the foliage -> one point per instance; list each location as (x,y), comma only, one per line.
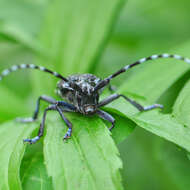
(70,37)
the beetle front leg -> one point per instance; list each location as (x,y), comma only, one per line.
(67,122)
(42,125)
(58,106)
(106,116)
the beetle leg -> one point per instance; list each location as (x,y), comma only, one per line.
(68,123)
(36,112)
(106,116)
(113,97)
(42,125)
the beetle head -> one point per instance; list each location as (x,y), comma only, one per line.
(87,103)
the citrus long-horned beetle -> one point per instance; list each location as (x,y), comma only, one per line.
(81,93)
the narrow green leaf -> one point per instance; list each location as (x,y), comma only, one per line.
(33,170)
(74,34)
(123,125)
(75,30)
(188,156)
(157,76)
(9,98)
(181,109)
(12,150)
(15,35)
(89,160)
(175,164)
(164,125)
(26,15)
(169,97)
(12,54)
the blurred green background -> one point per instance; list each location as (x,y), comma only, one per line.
(142,29)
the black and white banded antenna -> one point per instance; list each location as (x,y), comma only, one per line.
(106,81)
(30,66)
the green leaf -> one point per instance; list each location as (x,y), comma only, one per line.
(174,163)
(12,150)
(14,34)
(26,15)
(181,109)
(6,111)
(33,169)
(188,156)
(157,76)
(169,97)
(123,125)
(164,125)
(76,30)
(89,160)
(151,84)
(74,34)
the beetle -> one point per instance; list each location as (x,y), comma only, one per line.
(80,93)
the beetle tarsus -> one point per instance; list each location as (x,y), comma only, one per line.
(147,108)
(25,120)
(31,141)
(68,134)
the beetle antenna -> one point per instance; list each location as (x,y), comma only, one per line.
(106,81)
(30,66)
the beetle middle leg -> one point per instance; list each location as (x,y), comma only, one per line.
(60,106)
(113,97)
(36,112)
